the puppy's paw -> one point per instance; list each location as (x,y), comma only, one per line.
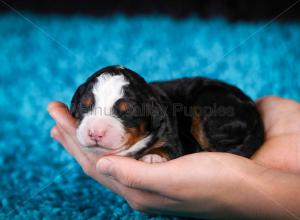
(153,158)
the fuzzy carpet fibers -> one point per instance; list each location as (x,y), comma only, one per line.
(45,58)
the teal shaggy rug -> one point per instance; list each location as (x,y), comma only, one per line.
(44,58)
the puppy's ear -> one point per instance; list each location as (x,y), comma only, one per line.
(75,103)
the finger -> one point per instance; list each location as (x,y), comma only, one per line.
(137,174)
(55,104)
(66,124)
(63,139)
(82,159)
(106,181)
(142,200)
(275,103)
(61,114)
(74,149)
(57,134)
(70,145)
(86,161)
(77,149)
(268,99)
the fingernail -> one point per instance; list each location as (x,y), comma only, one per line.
(104,166)
(49,112)
(49,107)
(53,135)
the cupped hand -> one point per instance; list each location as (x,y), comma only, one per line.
(281,119)
(196,185)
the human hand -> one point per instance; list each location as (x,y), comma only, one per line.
(281,119)
(193,185)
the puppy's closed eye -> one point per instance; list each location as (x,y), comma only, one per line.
(122,105)
(87,101)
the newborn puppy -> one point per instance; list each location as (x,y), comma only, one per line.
(119,113)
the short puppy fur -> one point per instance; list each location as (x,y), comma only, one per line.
(119,113)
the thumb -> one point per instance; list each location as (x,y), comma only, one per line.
(135,174)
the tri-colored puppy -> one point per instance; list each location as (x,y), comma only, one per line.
(119,113)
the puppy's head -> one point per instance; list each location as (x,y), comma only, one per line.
(116,110)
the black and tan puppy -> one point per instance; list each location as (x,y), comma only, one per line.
(119,113)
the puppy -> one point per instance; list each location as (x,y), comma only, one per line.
(119,113)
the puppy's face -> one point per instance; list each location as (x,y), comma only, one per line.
(112,108)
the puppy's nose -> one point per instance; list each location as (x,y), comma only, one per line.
(96,135)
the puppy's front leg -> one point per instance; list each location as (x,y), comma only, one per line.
(156,155)
(153,158)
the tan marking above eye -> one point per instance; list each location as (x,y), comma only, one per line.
(123,106)
(87,101)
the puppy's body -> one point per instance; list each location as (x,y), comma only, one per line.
(166,119)
(214,116)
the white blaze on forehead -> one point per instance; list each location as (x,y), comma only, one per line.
(107,90)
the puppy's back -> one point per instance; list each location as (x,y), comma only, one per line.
(215,116)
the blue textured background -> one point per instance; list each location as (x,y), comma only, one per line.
(38,179)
